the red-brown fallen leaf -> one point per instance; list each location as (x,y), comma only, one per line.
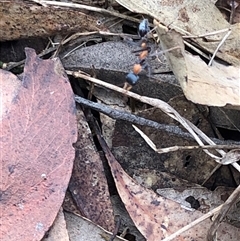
(37,155)
(157,217)
(88,184)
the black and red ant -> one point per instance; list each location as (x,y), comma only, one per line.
(132,77)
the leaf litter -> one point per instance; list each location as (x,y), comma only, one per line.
(126,186)
(88,184)
(157,217)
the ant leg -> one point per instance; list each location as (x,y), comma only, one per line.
(127,86)
(147,49)
(149,72)
(147,68)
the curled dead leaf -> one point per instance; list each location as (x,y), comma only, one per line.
(216,85)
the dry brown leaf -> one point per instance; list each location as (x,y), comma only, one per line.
(37,133)
(215,85)
(88,183)
(157,217)
(208,200)
(21,19)
(83,229)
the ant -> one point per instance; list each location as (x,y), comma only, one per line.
(132,77)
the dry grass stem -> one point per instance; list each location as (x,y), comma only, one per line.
(219,46)
(85,7)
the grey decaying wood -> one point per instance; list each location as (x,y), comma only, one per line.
(121,115)
(24,20)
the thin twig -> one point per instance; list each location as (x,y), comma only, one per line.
(228,158)
(101,33)
(214,147)
(121,115)
(207,34)
(73,50)
(219,46)
(197,50)
(85,7)
(134,119)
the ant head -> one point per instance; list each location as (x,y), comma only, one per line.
(143,28)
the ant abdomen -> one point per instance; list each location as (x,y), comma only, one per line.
(132,78)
